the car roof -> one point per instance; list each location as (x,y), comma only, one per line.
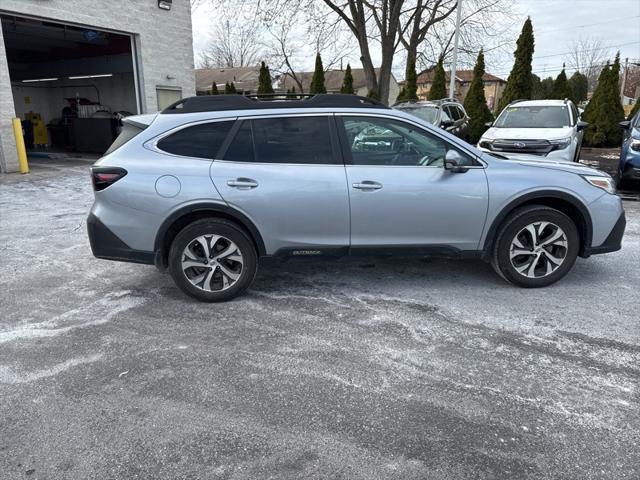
(539,103)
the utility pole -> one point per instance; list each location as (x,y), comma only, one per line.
(452,82)
(624,80)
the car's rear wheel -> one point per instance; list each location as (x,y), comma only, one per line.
(212,260)
(535,247)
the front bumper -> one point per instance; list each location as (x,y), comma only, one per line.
(631,173)
(613,242)
(106,245)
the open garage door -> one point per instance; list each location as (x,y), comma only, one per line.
(71,85)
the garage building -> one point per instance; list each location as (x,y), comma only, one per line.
(70,69)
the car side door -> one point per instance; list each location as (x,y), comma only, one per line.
(400,193)
(285,173)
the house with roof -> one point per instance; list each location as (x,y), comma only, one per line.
(333,82)
(493,86)
(245,79)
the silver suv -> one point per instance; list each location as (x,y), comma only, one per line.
(211,184)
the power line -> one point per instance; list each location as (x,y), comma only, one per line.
(586,25)
(588,50)
(559,67)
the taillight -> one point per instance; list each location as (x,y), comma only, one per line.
(102,177)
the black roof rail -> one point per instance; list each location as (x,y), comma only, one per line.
(212,103)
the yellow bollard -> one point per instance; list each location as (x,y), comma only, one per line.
(22,151)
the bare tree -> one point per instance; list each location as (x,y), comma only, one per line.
(588,56)
(373,19)
(484,24)
(419,19)
(235,42)
(287,43)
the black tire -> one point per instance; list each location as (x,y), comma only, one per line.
(513,225)
(621,183)
(223,228)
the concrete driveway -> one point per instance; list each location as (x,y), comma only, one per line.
(351,369)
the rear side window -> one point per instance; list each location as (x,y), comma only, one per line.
(128,132)
(301,140)
(200,141)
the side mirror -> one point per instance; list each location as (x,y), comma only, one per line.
(454,162)
(446,123)
(625,125)
(488,124)
(581,125)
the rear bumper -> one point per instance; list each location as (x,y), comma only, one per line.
(106,245)
(613,242)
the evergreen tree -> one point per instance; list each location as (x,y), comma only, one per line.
(214,89)
(402,95)
(439,84)
(635,109)
(561,87)
(604,111)
(476,103)
(579,84)
(536,87)
(409,91)
(317,81)
(227,88)
(519,83)
(347,83)
(615,110)
(373,93)
(541,88)
(264,80)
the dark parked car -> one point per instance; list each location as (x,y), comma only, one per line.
(629,168)
(446,114)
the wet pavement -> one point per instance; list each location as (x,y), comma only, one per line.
(375,368)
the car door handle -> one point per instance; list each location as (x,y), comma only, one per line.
(367,185)
(242,183)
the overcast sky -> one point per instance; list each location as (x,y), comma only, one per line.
(556,24)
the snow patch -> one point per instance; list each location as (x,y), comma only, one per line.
(8,375)
(96,313)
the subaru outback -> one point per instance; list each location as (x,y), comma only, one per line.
(211,184)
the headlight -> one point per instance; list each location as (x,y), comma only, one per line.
(635,145)
(605,183)
(561,143)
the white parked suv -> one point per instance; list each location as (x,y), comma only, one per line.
(547,129)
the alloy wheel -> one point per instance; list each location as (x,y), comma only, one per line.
(212,263)
(539,249)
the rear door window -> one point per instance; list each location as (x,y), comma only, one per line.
(200,141)
(298,140)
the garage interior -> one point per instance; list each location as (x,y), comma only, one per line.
(71,85)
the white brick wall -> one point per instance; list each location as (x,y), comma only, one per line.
(163,40)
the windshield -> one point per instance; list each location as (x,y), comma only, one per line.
(534,117)
(428,113)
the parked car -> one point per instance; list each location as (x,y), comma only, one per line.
(212,183)
(447,114)
(629,167)
(549,129)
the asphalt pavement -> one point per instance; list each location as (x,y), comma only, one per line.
(392,368)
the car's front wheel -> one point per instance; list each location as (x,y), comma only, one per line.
(536,246)
(212,260)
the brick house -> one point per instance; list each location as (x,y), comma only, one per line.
(493,86)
